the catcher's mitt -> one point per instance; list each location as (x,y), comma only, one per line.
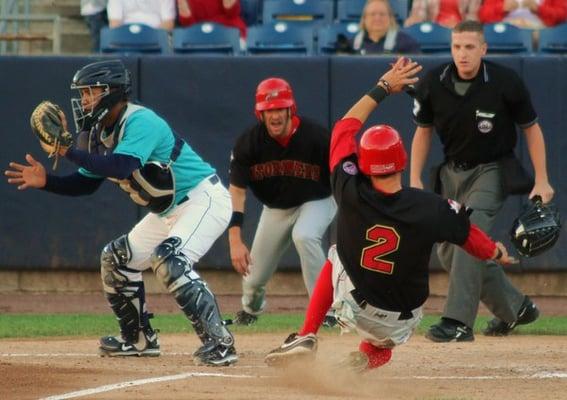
(536,229)
(49,125)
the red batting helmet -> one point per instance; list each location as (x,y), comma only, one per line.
(381,151)
(274,93)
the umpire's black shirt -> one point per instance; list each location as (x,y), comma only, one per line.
(477,127)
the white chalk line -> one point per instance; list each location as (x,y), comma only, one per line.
(63,355)
(139,382)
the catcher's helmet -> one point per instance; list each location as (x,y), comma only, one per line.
(110,75)
(381,151)
(536,229)
(274,93)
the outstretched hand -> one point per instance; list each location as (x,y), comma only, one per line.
(401,74)
(505,259)
(27,176)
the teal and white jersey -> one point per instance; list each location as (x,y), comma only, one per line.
(149,138)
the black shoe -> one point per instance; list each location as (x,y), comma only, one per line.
(116,346)
(528,313)
(450,331)
(216,356)
(295,347)
(243,318)
(330,321)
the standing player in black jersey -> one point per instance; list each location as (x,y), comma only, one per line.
(376,278)
(284,160)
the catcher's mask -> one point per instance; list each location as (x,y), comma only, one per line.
(536,229)
(381,151)
(114,80)
(273,94)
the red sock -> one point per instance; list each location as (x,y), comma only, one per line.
(377,356)
(320,301)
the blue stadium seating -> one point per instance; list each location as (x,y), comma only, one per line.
(432,38)
(250,11)
(351,10)
(134,39)
(327,35)
(505,38)
(553,40)
(206,38)
(280,37)
(320,11)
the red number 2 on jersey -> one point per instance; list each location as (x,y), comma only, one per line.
(386,241)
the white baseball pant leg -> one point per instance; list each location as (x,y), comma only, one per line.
(382,328)
(198,221)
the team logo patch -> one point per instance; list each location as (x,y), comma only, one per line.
(455,206)
(272,95)
(350,168)
(485,126)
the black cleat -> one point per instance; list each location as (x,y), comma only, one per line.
(293,348)
(243,318)
(215,356)
(449,331)
(528,313)
(116,346)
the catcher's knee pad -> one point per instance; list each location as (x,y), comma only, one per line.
(113,260)
(191,293)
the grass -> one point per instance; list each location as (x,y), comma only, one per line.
(83,325)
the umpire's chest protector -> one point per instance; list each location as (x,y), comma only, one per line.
(152,186)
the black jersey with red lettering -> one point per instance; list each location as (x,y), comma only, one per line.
(384,241)
(283,176)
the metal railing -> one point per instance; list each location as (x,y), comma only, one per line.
(16,35)
(15,19)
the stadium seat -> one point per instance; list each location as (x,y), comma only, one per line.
(206,38)
(505,38)
(553,40)
(134,38)
(432,38)
(351,10)
(319,11)
(328,35)
(280,37)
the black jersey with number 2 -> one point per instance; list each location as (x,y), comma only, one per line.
(384,241)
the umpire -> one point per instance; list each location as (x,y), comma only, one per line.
(474,106)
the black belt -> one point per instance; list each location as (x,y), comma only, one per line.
(362,303)
(463,165)
(213,181)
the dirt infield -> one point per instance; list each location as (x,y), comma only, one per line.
(517,367)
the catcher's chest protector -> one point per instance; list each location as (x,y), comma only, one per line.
(153,185)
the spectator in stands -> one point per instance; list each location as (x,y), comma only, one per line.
(531,14)
(447,13)
(379,31)
(94,13)
(154,13)
(224,12)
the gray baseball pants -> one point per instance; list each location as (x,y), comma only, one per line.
(473,280)
(304,226)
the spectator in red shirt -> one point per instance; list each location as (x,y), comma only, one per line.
(443,12)
(224,12)
(532,14)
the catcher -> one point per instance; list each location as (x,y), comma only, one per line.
(189,207)
(376,278)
